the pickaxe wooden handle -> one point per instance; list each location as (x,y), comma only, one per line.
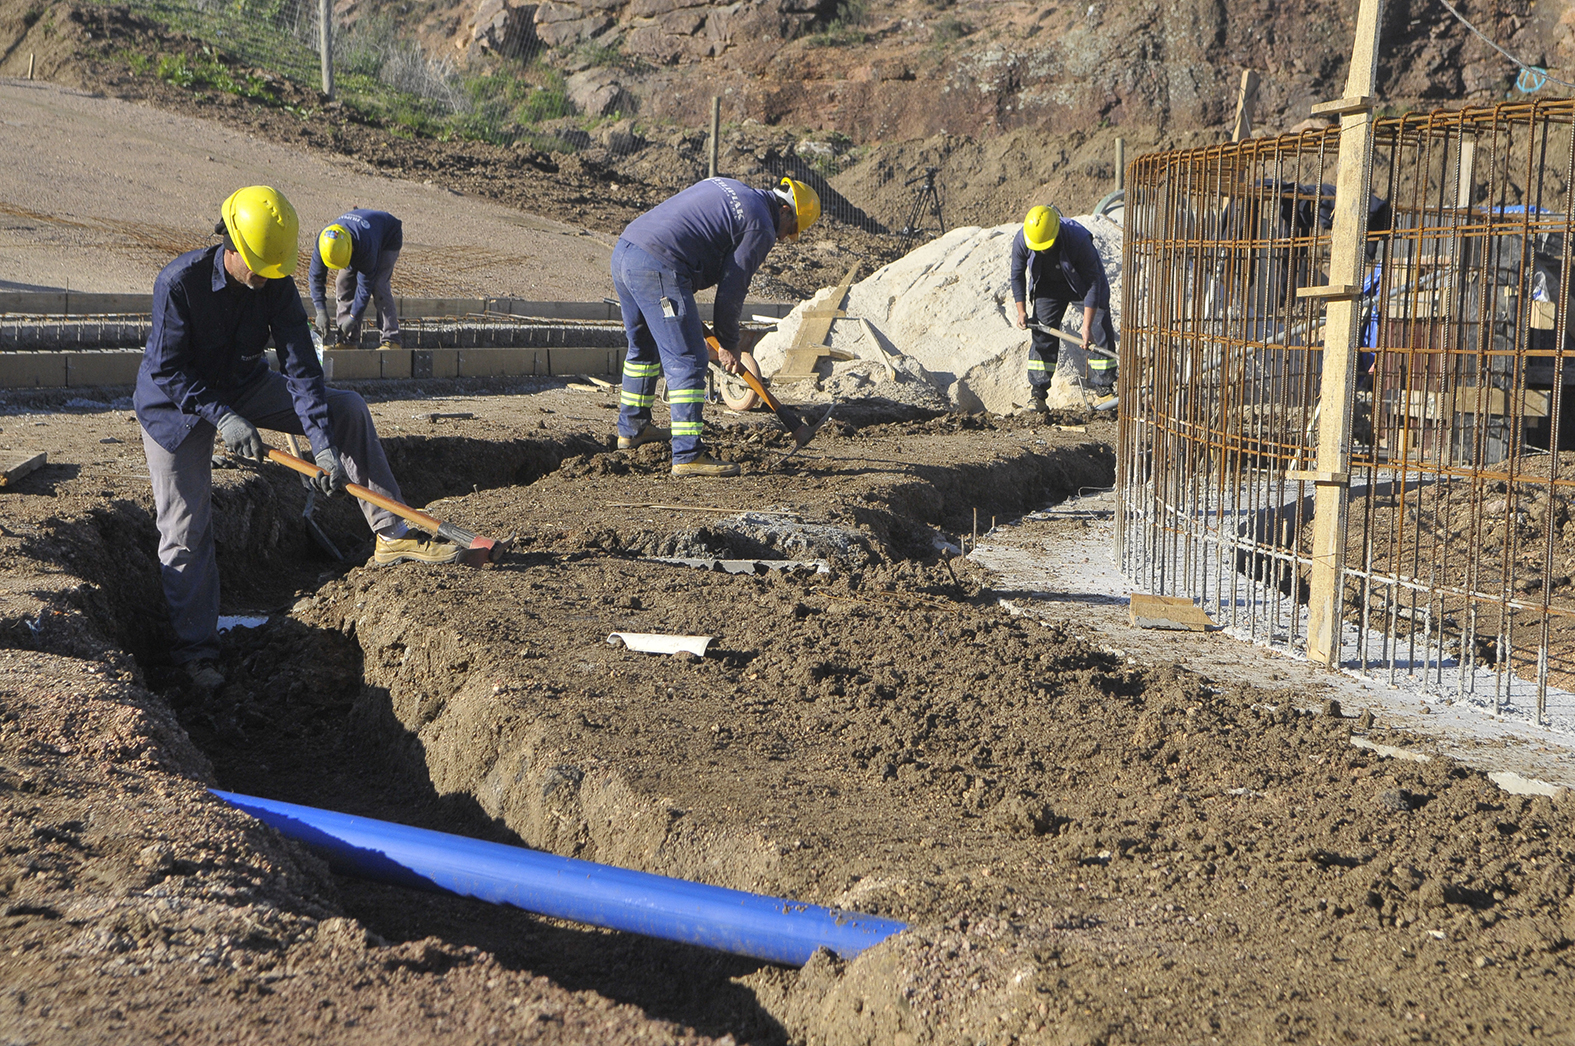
(481,550)
(1072,339)
(790,418)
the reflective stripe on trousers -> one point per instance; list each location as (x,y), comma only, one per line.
(665,337)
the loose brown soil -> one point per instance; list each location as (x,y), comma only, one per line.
(1087,847)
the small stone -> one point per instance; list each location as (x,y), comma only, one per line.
(1331,708)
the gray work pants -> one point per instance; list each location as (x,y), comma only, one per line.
(382,299)
(182,485)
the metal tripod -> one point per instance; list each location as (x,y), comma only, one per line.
(926,201)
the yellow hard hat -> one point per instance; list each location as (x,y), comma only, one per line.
(806,203)
(263,227)
(335,245)
(1040,228)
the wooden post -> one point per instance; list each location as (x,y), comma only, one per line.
(1121,164)
(1465,172)
(1348,235)
(716,129)
(1246,100)
(325,43)
(30,56)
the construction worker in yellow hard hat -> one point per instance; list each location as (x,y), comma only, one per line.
(361,247)
(713,234)
(205,371)
(1054,264)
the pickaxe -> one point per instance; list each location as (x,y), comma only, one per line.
(801,430)
(477,550)
(1072,339)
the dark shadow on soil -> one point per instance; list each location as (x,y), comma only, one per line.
(676,982)
(297,724)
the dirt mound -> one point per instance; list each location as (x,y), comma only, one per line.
(940,315)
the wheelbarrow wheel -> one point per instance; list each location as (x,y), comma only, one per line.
(737,395)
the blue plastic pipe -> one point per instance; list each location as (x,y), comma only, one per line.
(752,924)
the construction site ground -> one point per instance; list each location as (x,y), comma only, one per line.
(1095,834)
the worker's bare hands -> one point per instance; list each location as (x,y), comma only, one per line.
(1022,318)
(729,360)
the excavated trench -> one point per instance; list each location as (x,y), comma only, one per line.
(442,697)
(1085,849)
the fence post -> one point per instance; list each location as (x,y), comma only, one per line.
(1348,238)
(716,128)
(325,42)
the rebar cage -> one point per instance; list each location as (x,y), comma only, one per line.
(1459,547)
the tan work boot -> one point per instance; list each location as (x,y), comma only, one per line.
(416,548)
(705,465)
(648,434)
(388,346)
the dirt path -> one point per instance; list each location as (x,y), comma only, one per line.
(99,194)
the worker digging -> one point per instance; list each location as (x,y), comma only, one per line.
(361,247)
(1054,264)
(713,234)
(204,370)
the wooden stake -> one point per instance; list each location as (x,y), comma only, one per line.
(1246,101)
(1121,164)
(30,65)
(325,43)
(716,127)
(1348,234)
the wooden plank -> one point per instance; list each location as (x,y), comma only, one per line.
(812,332)
(18,469)
(1347,262)
(1345,106)
(1173,613)
(1246,101)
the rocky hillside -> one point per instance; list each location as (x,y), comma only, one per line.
(883,70)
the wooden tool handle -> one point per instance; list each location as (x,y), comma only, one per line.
(405,512)
(743,372)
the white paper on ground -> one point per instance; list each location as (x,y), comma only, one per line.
(656,643)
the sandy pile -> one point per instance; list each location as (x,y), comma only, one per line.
(938,322)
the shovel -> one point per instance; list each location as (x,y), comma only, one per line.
(477,551)
(323,540)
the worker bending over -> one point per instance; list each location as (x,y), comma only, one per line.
(713,234)
(204,370)
(362,247)
(1054,264)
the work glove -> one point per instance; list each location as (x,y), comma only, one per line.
(331,481)
(241,438)
(323,326)
(347,334)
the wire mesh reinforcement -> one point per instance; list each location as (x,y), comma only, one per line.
(1459,543)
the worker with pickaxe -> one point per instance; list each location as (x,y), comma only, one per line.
(204,370)
(1054,263)
(713,234)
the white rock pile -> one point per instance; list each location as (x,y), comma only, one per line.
(942,316)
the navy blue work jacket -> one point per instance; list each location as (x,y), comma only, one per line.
(715,233)
(207,345)
(371,233)
(1074,254)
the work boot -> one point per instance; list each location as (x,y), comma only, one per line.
(1037,405)
(416,548)
(204,675)
(705,465)
(388,345)
(648,434)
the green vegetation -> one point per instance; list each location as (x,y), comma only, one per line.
(204,70)
(950,28)
(844,29)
